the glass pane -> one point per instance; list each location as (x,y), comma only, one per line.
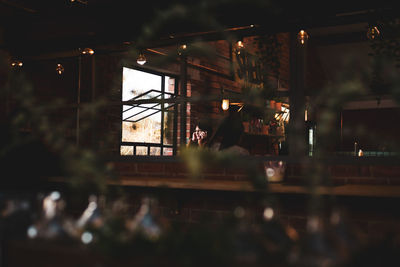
(167,151)
(155,151)
(126,150)
(169,86)
(144,121)
(137,113)
(141,150)
(147,130)
(169,127)
(136,83)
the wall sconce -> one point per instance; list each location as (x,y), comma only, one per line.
(141,59)
(302,36)
(373,32)
(87,51)
(60,69)
(225,104)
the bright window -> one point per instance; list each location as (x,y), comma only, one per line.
(147,128)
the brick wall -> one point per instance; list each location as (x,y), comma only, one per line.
(339,174)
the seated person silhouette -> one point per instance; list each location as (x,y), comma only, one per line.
(228,135)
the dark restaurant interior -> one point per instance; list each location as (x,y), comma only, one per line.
(193,133)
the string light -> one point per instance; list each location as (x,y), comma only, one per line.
(16,63)
(182,47)
(141,59)
(373,32)
(302,36)
(87,51)
(79,1)
(60,69)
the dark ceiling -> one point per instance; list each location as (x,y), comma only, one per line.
(42,26)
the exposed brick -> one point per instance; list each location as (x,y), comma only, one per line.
(366,181)
(212,170)
(364,171)
(344,171)
(176,168)
(385,171)
(124,166)
(150,167)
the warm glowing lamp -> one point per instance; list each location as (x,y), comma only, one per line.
(87,51)
(302,36)
(16,63)
(60,69)
(141,59)
(225,104)
(239,46)
(373,32)
(182,48)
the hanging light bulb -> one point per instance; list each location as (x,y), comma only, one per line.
(141,59)
(182,48)
(373,32)
(302,36)
(239,46)
(60,69)
(79,1)
(87,51)
(16,63)
(225,104)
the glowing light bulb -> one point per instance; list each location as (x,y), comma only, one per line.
(16,63)
(268,213)
(225,104)
(302,36)
(240,44)
(60,69)
(87,51)
(181,49)
(141,59)
(373,32)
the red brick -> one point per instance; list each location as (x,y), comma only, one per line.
(385,171)
(219,177)
(366,181)
(365,171)
(176,168)
(150,167)
(212,170)
(344,171)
